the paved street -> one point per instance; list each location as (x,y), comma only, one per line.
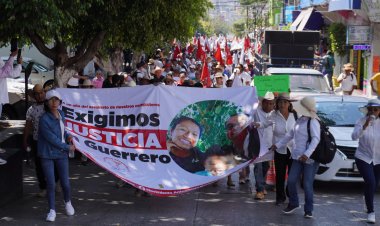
(99,202)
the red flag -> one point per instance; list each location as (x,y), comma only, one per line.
(229,56)
(205,76)
(177,51)
(200,53)
(190,48)
(218,54)
(247,43)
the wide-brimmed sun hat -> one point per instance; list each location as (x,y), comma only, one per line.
(306,107)
(371,103)
(268,96)
(284,96)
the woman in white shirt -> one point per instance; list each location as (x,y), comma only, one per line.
(284,119)
(302,150)
(367,155)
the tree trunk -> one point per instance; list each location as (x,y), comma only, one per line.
(62,75)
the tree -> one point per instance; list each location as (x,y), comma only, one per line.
(92,24)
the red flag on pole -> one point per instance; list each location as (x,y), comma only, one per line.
(205,76)
(177,51)
(200,53)
(247,43)
(218,54)
(229,56)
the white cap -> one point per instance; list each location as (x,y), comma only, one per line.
(73,82)
(53,93)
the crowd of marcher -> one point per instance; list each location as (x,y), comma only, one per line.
(281,122)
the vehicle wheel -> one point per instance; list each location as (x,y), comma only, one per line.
(49,84)
(8,113)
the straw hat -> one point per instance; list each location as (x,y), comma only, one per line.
(348,66)
(306,107)
(284,96)
(268,96)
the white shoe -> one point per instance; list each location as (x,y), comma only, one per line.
(371,218)
(2,150)
(51,216)
(2,161)
(69,208)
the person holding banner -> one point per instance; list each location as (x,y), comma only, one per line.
(264,122)
(185,133)
(53,151)
(245,140)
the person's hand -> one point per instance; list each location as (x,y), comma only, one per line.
(72,147)
(70,139)
(303,158)
(256,124)
(19,61)
(14,53)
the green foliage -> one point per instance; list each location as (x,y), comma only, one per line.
(212,116)
(136,24)
(239,29)
(337,35)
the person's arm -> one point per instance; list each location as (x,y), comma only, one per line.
(27,131)
(7,69)
(360,126)
(340,78)
(52,138)
(285,140)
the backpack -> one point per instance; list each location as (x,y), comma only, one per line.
(325,151)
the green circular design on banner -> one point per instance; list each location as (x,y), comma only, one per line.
(211,115)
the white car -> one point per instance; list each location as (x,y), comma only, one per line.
(303,81)
(40,74)
(340,113)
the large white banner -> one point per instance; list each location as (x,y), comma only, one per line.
(161,139)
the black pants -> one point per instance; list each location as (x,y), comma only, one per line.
(39,172)
(281,161)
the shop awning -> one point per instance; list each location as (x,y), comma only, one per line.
(301,21)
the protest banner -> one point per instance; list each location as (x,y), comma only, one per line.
(275,83)
(161,139)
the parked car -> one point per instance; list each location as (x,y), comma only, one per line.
(340,113)
(40,74)
(15,109)
(303,81)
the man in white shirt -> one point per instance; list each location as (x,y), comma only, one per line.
(347,80)
(265,129)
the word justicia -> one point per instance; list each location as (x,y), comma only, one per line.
(112,119)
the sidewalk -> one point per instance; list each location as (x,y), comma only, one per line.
(98,201)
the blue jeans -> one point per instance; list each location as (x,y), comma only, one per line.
(371,176)
(260,172)
(308,170)
(62,166)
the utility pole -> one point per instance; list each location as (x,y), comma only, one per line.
(247,19)
(283,12)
